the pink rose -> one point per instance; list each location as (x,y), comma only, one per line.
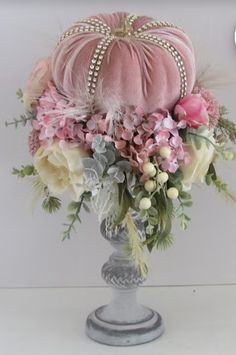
(193,110)
(37,82)
(213,107)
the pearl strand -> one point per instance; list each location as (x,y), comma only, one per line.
(96,63)
(176,56)
(82,29)
(155,24)
(97,23)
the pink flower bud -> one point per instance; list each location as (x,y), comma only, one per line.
(193,110)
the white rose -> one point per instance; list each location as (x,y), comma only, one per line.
(61,169)
(200,160)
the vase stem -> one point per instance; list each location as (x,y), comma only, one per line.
(123,321)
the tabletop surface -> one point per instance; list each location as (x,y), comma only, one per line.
(50,321)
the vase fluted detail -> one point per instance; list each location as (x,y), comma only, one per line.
(120,270)
(123,321)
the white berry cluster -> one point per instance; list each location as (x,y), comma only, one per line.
(156,178)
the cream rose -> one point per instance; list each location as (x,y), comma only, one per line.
(200,160)
(61,169)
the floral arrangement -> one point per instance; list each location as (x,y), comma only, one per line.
(123,159)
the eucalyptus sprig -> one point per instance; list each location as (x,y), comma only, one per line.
(222,187)
(20,95)
(74,209)
(22,121)
(24,118)
(185,200)
(226,127)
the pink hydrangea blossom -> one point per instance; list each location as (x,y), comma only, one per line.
(56,117)
(138,137)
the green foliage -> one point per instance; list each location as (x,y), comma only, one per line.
(158,218)
(164,242)
(24,118)
(211,175)
(175,180)
(223,111)
(51,204)
(74,209)
(25,170)
(39,187)
(125,202)
(159,221)
(138,193)
(221,186)
(183,134)
(22,121)
(185,200)
(20,95)
(226,129)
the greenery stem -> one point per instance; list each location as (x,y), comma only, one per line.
(203,137)
(23,120)
(70,227)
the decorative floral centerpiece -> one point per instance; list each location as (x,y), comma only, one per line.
(118,119)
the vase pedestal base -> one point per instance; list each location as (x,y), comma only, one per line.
(124,321)
(101,328)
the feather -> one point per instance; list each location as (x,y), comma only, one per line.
(134,247)
(211,78)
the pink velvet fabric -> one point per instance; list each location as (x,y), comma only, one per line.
(133,72)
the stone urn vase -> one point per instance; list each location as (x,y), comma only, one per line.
(123,321)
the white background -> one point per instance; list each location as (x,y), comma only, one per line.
(31,251)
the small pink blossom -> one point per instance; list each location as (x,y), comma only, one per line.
(120,145)
(33,142)
(192,109)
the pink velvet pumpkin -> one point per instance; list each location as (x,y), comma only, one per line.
(121,59)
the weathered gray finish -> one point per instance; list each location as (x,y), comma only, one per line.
(123,321)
